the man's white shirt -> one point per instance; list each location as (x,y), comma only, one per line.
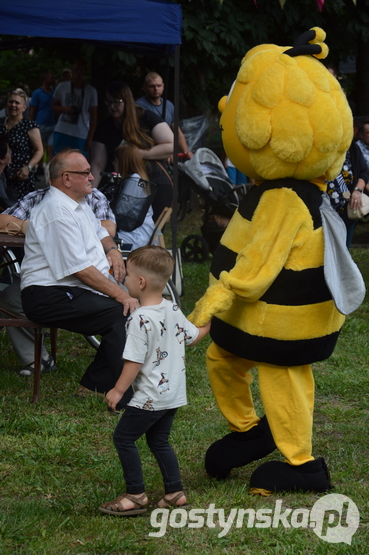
(63,237)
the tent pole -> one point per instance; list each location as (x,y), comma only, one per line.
(175,155)
(166,81)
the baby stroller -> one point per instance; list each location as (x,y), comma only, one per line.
(205,173)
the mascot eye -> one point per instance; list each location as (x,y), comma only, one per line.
(231,90)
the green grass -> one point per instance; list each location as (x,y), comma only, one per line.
(58,463)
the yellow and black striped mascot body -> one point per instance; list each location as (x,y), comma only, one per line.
(273,253)
(268,299)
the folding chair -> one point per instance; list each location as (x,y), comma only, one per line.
(159,224)
(175,285)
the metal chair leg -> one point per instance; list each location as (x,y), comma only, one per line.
(39,341)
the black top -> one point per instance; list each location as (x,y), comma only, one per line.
(108,134)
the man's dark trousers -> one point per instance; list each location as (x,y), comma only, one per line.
(80,310)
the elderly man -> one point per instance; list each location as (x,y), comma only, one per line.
(64,277)
(22,339)
(153,88)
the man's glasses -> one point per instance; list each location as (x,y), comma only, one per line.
(115,102)
(86,173)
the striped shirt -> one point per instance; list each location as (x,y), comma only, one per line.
(98,203)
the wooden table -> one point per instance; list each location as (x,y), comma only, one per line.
(11,241)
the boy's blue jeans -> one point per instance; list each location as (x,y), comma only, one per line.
(133,424)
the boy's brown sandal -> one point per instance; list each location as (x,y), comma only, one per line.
(116,508)
(173,502)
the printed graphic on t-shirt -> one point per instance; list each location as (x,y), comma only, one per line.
(182,334)
(160,355)
(147,406)
(162,328)
(144,322)
(75,101)
(163,384)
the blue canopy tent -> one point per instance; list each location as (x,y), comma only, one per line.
(153,26)
(146,22)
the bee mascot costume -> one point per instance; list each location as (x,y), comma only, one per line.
(275,299)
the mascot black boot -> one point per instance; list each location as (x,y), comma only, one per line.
(275,476)
(238,449)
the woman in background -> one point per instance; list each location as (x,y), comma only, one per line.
(24,139)
(128,123)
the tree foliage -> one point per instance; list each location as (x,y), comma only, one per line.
(26,65)
(216,35)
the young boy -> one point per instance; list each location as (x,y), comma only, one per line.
(154,364)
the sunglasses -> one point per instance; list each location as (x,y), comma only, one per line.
(19,93)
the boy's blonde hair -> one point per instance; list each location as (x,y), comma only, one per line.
(153,259)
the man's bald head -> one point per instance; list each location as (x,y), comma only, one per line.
(153,87)
(70,172)
(151,76)
(60,162)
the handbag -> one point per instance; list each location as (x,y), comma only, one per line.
(130,210)
(355,214)
(12,226)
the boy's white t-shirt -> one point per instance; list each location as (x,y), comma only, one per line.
(156,338)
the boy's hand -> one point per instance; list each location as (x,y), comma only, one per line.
(112,398)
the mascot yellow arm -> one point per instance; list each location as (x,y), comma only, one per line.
(271,235)
(217,298)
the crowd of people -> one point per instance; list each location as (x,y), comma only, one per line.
(66,116)
(133,141)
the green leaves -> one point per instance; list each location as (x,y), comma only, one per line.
(216,36)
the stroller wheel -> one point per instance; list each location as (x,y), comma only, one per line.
(194,248)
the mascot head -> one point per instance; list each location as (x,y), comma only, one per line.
(286,115)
